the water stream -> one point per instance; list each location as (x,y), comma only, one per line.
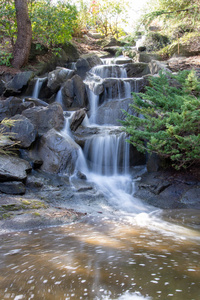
(122,249)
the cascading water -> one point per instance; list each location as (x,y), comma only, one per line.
(120,250)
(107,154)
(59,97)
(37,87)
(106,83)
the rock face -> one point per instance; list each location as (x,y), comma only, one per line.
(111,112)
(57,77)
(156,66)
(187,46)
(168,190)
(10,107)
(137,69)
(17,83)
(12,187)
(45,118)
(85,63)
(77,119)
(74,92)
(58,153)
(22,130)
(13,168)
(147,57)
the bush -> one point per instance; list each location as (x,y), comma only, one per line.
(155,41)
(168,120)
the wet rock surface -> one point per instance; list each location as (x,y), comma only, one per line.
(13,168)
(169,189)
(50,200)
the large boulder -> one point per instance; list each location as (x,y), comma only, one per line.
(22,131)
(10,107)
(79,92)
(156,66)
(77,119)
(188,45)
(169,189)
(13,168)
(85,63)
(137,69)
(18,83)
(45,118)
(147,57)
(74,92)
(57,77)
(13,187)
(67,93)
(58,153)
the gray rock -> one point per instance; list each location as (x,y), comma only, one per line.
(85,63)
(19,81)
(79,92)
(13,168)
(2,87)
(37,102)
(192,197)
(137,69)
(77,119)
(68,93)
(10,107)
(74,92)
(12,187)
(57,77)
(168,190)
(22,131)
(156,66)
(58,153)
(113,50)
(147,57)
(46,118)
(122,61)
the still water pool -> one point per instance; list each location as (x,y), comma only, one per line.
(142,257)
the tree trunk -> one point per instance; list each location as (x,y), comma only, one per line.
(24,35)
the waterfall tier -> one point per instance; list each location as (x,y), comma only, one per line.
(108,153)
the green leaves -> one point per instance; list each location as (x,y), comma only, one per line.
(168,118)
(53,24)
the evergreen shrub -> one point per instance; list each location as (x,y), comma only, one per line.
(168,118)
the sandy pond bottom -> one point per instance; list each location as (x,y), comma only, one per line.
(122,257)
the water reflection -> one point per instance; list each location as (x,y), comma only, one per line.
(100,259)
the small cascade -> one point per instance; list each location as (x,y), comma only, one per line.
(66,131)
(94,103)
(58,98)
(109,71)
(37,87)
(120,89)
(107,154)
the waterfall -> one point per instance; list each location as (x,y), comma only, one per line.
(109,71)
(94,102)
(59,97)
(107,154)
(37,87)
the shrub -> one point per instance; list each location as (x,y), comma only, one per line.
(155,41)
(168,120)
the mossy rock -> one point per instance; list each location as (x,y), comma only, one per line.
(67,54)
(188,45)
(71,51)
